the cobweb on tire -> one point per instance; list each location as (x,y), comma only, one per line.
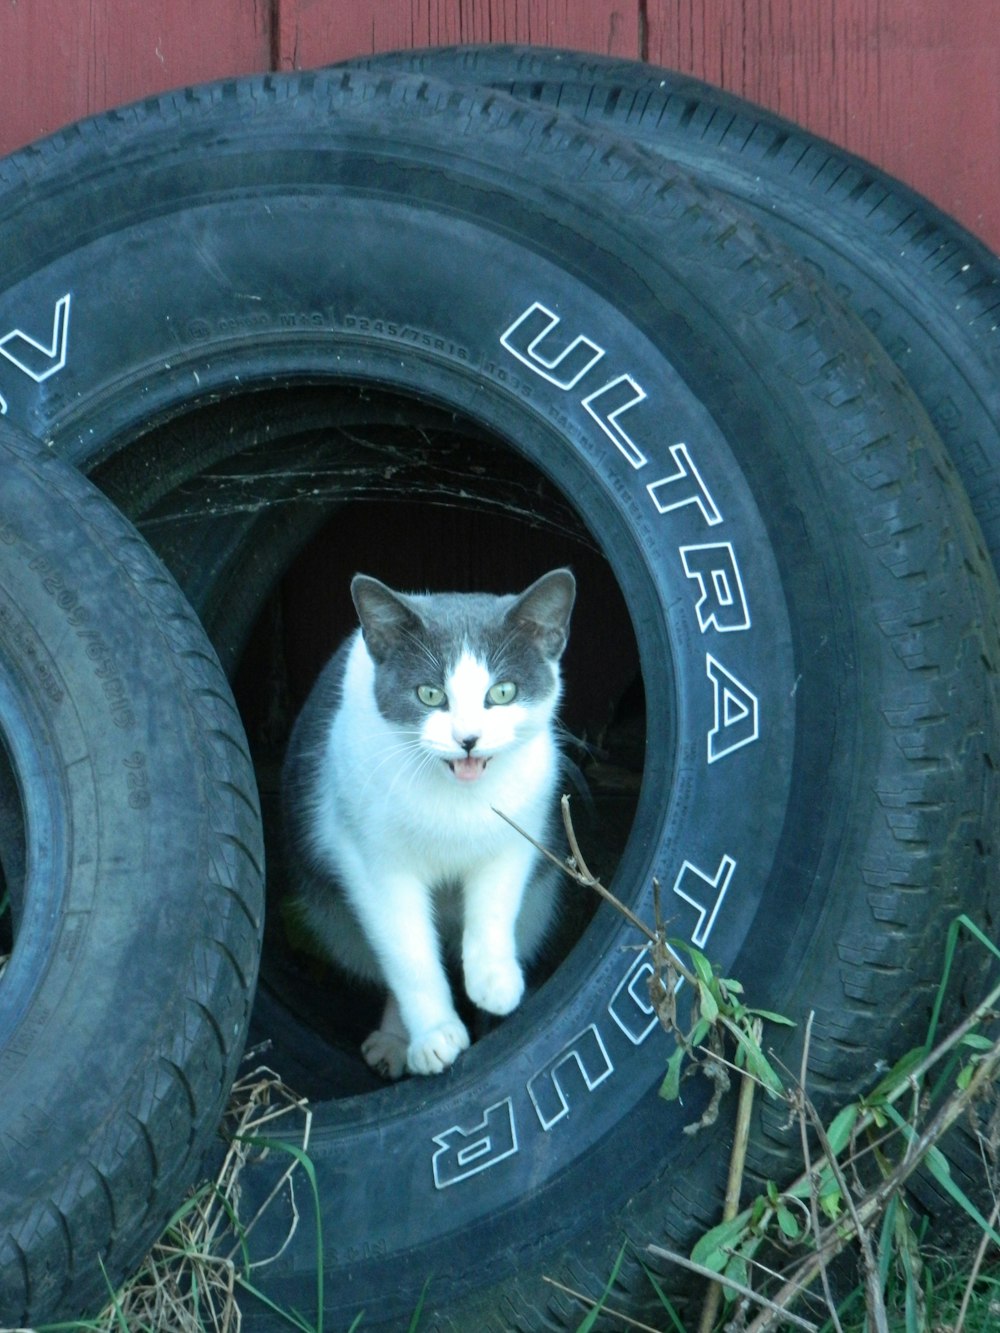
(341,466)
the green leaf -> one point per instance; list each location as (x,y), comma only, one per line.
(898,1074)
(772,1017)
(418,1312)
(841,1126)
(830,1203)
(976,1041)
(699,1032)
(709,1007)
(938,1166)
(702,967)
(302,1158)
(289,1316)
(711,1249)
(115,1302)
(758,1065)
(788,1222)
(887,1242)
(670,1088)
(738,1271)
(664,1299)
(959,922)
(822,1180)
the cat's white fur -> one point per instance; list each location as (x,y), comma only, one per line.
(421,855)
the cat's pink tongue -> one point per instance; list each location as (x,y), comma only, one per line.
(469,769)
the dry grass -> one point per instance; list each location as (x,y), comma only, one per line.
(190,1282)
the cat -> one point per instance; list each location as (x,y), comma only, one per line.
(432,716)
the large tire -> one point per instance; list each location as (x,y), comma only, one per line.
(132,864)
(815,620)
(926,287)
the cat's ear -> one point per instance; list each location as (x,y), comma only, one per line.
(385,615)
(543,611)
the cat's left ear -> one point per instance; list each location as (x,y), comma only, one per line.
(543,611)
(385,615)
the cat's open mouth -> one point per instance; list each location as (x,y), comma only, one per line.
(468,769)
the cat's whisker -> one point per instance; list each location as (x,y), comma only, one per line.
(393,753)
(426,761)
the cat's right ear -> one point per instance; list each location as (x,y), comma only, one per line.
(543,611)
(385,616)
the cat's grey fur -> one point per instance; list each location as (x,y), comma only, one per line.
(405,749)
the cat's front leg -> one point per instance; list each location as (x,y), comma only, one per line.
(390,1052)
(437,1048)
(419,1011)
(385,1048)
(493,977)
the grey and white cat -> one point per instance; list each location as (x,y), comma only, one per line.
(435,714)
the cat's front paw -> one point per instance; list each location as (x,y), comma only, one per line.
(385,1052)
(494,984)
(436,1050)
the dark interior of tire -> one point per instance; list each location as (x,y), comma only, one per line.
(12,855)
(314,485)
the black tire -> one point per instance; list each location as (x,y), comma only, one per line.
(707,413)
(926,287)
(133,864)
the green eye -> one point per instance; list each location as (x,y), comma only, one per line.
(504,692)
(430,696)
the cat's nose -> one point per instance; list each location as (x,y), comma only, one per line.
(468,743)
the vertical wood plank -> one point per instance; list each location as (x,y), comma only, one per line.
(327,30)
(63,59)
(911,85)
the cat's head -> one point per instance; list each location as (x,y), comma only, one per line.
(468,675)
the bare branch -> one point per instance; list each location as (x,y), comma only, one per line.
(578,871)
(738,1287)
(977,1264)
(734,1182)
(605,1309)
(831,1304)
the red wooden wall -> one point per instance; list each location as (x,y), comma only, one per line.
(913,85)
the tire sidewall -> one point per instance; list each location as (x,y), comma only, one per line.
(675,452)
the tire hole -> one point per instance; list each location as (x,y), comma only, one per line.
(284,497)
(13,856)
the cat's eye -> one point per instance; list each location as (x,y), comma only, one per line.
(504,692)
(430,696)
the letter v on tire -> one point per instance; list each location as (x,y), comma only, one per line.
(34,358)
